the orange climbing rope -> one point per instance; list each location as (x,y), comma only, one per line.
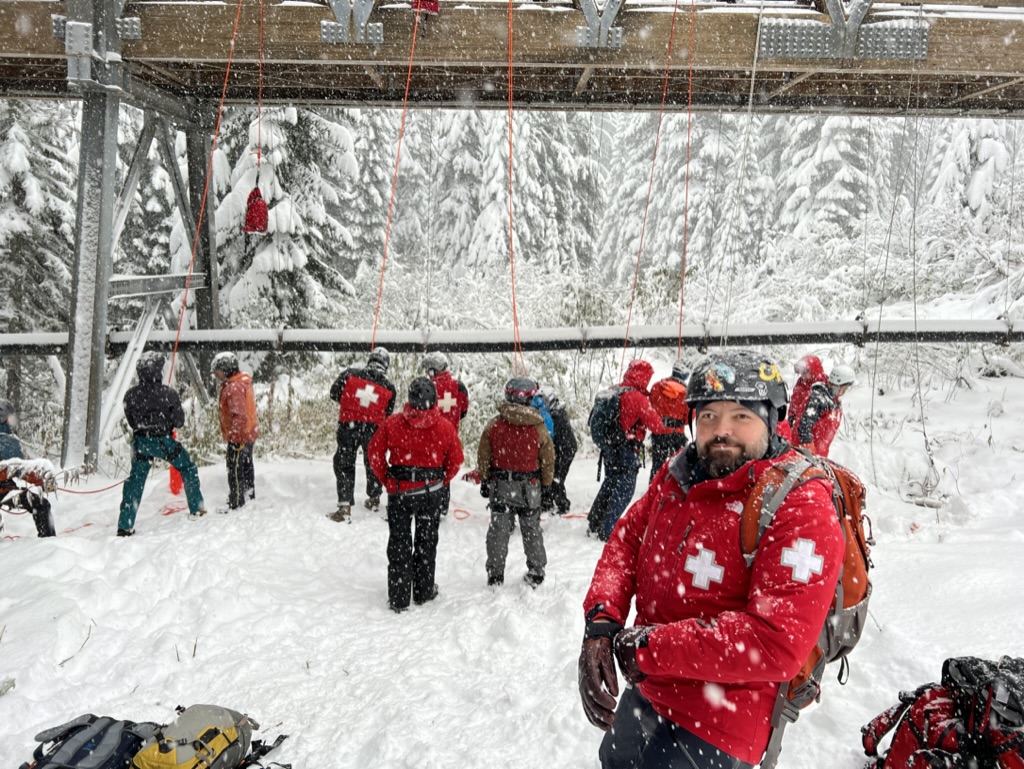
(206,184)
(394,181)
(654,160)
(517,343)
(686,183)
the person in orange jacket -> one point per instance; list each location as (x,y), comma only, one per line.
(239,426)
(668,398)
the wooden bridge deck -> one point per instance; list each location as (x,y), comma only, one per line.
(974,63)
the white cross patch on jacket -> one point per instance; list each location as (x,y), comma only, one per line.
(803,560)
(447,403)
(366,395)
(704,569)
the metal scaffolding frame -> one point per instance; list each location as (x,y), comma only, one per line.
(798,45)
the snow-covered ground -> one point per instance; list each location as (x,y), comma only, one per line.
(278,612)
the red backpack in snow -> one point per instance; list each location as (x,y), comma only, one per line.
(973,719)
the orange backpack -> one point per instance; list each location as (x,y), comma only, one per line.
(848,613)
(668,397)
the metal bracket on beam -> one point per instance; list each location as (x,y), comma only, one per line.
(351,15)
(847,37)
(129,28)
(78,47)
(599,32)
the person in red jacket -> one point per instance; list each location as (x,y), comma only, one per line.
(622,461)
(823,413)
(668,398)
(239,426)
(713,637)
(809,372)
(366,398)
(452,395)
(415,454)
(516,461)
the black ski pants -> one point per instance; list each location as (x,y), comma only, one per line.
(353,436)
(412,556)
(241,474)
(642,739)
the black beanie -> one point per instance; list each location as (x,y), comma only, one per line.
(762,410)
(422,394)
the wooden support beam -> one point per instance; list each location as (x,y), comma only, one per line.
(584,79)
(790,83)
(374,75)
(991,89)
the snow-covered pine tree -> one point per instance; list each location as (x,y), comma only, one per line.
(286,277)
(37,219)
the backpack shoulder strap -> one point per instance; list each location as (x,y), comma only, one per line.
(767,496)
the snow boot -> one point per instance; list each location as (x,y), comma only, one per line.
(495,581)
(372,503)
(433,594)
(533,580)
(342,515)
(197,514)
(126,532)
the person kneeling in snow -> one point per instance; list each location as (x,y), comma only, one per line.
(415,454)
(239,427)
(153,411)
(14,467)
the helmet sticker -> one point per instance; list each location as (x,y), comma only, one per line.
(769,372)
(716,373)
(762,390)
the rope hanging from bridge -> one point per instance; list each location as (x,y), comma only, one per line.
(394,181)
(686,177)
(206,185)
(650,180)
(518,360)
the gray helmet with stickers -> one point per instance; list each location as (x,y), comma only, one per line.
(738,375)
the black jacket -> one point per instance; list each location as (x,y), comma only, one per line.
(564,439)
(152,408)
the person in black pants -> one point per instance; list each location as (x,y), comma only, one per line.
(565,450)
(415,454)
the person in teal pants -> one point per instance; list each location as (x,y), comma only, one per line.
(153,411)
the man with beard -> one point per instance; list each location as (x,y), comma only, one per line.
(714,637)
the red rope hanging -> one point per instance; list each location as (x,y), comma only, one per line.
(686,184)
(394,181)
(206,184)
(257,215)
(650,183)
(518,359)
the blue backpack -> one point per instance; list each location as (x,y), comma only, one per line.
(97,742)
(605,429)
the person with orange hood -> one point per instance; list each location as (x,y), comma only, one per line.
(239,426)
(621,458)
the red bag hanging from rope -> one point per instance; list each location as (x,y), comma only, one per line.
(256,213)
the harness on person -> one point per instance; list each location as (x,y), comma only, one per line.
(848,614)
(972,719)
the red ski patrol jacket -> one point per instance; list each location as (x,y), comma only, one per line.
(238,421)
(363,395)
(811,372)
(452,397)
(414,438)
(725,634)
(636,414)
(820,421)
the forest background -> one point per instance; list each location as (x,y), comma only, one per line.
(809,218)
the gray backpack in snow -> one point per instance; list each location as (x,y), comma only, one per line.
(201,737)
(90,742)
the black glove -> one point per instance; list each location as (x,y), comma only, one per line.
(626,643)
(547,499)
(599,686)
(485,489)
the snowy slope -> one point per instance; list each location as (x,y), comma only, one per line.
(281,613)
